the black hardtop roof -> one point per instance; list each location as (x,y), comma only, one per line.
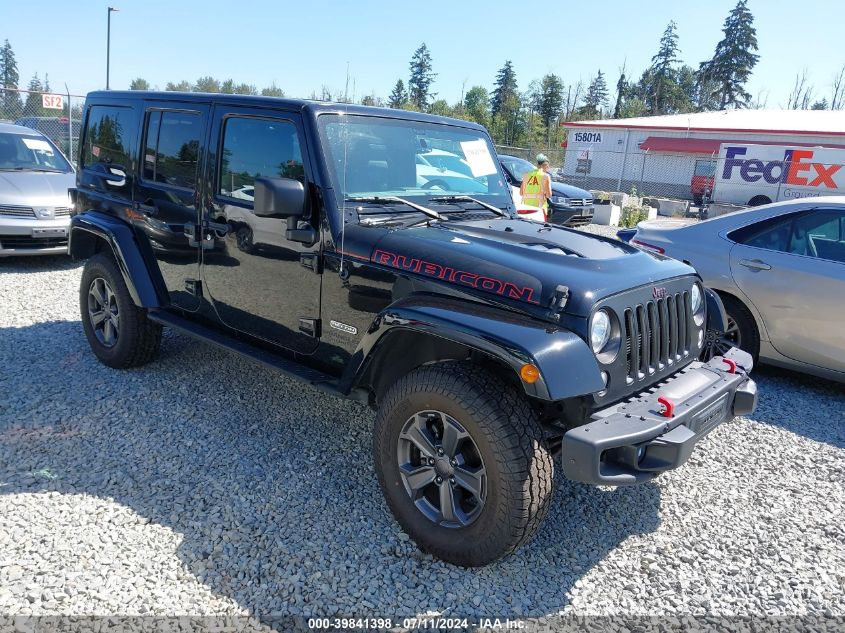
(315,107)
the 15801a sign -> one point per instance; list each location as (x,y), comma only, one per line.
(587,137)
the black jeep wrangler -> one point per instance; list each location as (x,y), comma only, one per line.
(312,238)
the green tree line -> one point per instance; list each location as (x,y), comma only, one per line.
(531,115)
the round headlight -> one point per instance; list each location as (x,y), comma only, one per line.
(696,299)
(599,330)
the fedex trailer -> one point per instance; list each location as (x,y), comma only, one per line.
(759,174)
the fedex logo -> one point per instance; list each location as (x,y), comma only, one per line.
(796,168)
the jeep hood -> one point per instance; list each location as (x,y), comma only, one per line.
(517,260)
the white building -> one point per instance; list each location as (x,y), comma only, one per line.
(660,154)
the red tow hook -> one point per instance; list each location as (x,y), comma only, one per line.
(731,365)
(669,407)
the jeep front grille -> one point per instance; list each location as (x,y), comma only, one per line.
(657,334)
(16,212)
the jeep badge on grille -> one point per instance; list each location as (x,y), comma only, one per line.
(658,293)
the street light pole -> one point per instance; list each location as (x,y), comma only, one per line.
(108,44)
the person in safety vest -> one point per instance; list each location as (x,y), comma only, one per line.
(536,187)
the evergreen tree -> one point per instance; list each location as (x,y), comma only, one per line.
(820,105)
(32,106)
(505,105)
(551,98)
(139,84)
(505,88)
(734,59)
(596,97)
(11,104)
(663,76)
(419,85)
(228,87)
(398,97)
(621,93)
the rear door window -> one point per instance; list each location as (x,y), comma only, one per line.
(108,139)
(171,150)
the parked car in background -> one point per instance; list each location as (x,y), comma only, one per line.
(34,201)
(568,205)
(58,129)
(780,270)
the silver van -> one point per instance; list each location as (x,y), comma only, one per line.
(34,202)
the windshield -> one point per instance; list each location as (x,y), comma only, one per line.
(21,152)
(378,157)
(518,167)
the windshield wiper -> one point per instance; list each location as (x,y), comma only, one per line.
(39,169)
(382,200)
(489,207)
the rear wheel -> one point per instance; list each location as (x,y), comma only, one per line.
(460,458)
(119,333)
(757,201)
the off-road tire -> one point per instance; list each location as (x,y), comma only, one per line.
(138,339)
(749,336)
(509,438)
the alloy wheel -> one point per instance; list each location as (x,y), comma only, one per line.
(103,313)
(719,343)
(441,469)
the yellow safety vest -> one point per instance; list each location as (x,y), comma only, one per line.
(533,196)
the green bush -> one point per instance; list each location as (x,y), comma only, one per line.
(631,216)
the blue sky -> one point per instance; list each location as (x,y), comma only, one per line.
(302,46)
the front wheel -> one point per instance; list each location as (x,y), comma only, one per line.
(118,331)
(462,464)
(741,332)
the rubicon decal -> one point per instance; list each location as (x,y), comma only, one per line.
(797,167)
(463,277)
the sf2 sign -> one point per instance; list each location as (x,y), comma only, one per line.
(53,102)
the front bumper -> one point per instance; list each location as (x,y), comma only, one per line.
(634,441)
(31,236)
(564,214)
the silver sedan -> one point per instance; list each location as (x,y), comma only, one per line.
(780,270)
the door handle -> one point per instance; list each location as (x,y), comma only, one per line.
(754,264)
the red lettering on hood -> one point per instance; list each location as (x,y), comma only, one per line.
(463,277)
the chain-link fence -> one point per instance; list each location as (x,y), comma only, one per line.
(56,115)
(555,155)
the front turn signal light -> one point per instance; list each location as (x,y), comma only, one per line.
(529,373)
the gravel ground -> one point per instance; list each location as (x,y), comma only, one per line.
(205,484)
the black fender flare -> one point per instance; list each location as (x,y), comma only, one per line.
(568,368)
(89,227)
(717,318)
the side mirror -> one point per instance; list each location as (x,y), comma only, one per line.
(279,198)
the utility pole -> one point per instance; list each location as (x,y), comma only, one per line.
(108,43)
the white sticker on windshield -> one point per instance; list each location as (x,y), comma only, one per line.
(37,143)
(478,157)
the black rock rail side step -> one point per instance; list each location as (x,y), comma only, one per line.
(317,379)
